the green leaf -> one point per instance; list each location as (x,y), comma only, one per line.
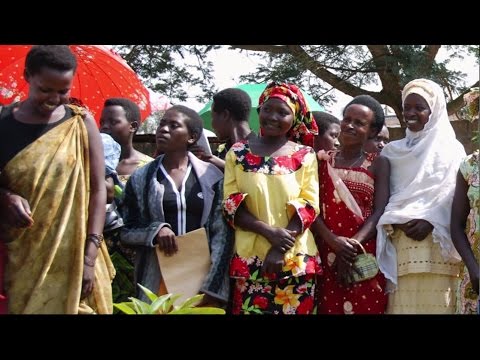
(141,307)
(164,304)
(254,275)
(191,302)
(149,293)
(125,307)
(158,306)
(198,311)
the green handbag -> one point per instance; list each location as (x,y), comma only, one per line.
(365,264)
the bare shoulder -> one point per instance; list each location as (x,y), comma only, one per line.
(380,165)
(89,121)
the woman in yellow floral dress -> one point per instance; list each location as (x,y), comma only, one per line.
(271,199)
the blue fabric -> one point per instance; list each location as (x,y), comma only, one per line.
(111,151)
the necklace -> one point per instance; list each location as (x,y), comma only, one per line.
(355,162)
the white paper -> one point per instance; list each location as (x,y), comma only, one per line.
(184,272)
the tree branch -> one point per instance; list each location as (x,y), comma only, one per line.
(456,104)
(380,56)
(335,81)
(275,49)
(431,52)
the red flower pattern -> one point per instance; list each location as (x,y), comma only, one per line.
(239,268)
(261,302)
(306,306)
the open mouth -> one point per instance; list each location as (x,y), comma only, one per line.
(49,107)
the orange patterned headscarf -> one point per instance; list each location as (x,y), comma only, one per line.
(304,126)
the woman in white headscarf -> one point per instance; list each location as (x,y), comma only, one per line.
(414,246)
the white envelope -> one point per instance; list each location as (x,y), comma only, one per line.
(184,272)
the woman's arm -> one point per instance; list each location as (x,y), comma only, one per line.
(96,204)
(220,237)
(14,210)
(381,170)
(280,238)
(458,221)
(137,230)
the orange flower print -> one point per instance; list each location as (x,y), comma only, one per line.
(296,265)
(287,298)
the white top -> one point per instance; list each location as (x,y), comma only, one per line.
(424,166)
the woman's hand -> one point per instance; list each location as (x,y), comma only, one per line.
(273,262)
(281,239)
(417,229)
(474,277)
(344,248)
(166,241)
(15,210)
(88,279)
(345,271)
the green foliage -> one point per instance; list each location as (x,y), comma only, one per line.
(164,68)
(122,285)
(165,305)
(318,69)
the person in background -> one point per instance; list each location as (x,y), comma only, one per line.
(175,194)
(3,295)
(230,113)
(465,229)
(111,151)
(52,195)
(377,143)
(354,191)
(465,221)
(120,119)
(3,261)
(328,131)
(414,246)
(271,199)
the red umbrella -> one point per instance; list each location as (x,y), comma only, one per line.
(101,74)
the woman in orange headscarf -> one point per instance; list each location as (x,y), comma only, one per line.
(271,199)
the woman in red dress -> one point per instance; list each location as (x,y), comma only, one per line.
(354,190)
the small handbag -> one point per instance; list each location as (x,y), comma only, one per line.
(365,264)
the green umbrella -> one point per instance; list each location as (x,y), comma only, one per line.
(254,91)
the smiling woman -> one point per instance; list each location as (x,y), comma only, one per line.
(254,91)
(415,249)
(271,199)
(101,74)
(65,270)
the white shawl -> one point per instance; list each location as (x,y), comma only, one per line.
(424,166)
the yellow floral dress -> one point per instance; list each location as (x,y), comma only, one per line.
(273,189)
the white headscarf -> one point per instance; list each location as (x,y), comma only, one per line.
(424,166)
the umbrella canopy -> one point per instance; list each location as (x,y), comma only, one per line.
(254,91)
(101,74)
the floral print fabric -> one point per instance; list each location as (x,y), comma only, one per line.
(304,127)
(273,189)
(467,298)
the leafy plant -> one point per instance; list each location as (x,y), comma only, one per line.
(165,304)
